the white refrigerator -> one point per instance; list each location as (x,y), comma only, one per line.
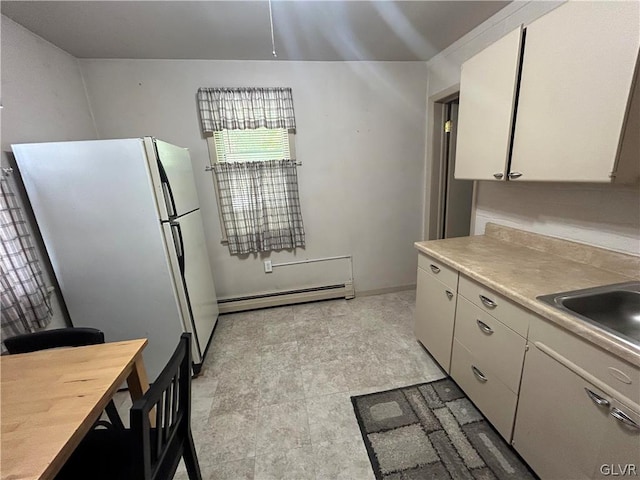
(122,227)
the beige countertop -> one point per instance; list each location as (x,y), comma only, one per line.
(521,266)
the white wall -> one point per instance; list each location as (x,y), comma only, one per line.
(43,99)
(360,138)
(602,215)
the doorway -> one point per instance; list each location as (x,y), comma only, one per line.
(455,196)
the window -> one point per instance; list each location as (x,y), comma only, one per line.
(259,145)
(249,132)
(251,145)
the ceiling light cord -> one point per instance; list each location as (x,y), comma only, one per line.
(273,42)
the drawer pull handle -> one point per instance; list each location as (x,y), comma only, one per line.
(597,399)
(479,375)
(624,418)
(484,327)
(498,175)
(449,294)
(434,269)
(488,302)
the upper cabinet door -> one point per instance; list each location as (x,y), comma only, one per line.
(577,75)
(487,96)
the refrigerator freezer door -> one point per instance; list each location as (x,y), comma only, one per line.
(95,208)
(192,267)
(180,193)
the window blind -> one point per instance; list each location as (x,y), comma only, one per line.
(261,144)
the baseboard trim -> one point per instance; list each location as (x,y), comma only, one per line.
(380,291)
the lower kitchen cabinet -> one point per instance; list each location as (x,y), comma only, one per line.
(484,388)
(619,451)
(500,349)
(564,426)
(569,407)
(434,318)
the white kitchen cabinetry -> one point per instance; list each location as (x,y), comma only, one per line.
(558,426)
(577,75)
(564,427)
(570,408)
(484,388)
(482,352)
(500,348)
(436,308)
(488,351)
(488,84)
(575,118)
(621,446)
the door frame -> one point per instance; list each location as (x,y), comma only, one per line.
(433,198)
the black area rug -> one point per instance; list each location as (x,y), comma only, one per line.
(433,431)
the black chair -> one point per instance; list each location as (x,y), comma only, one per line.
(145,452)
(63,337)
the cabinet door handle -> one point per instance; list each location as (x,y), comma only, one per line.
(484,327)
(479,375)
(498,175)
(624,418)
(434,269)
(488,302)
(597,399)
(513,175)
(449,294)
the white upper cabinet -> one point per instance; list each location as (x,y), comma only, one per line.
(574,113)
(487,95)
(577,75)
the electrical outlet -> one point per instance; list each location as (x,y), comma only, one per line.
(268,268)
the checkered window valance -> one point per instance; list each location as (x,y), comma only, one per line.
(245,108)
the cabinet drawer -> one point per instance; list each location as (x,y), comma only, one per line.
(499,348)
(512,315)
(439,270)
(609,369)
(491,396)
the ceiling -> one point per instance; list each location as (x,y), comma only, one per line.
(239,30)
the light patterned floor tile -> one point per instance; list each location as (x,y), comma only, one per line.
(331,419)
(342,461)
(277,384)
(296,464)
(281,385)
(282,427)
(324,378)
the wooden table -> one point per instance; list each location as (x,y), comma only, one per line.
(51,399)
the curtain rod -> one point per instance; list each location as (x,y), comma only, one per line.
(209,168)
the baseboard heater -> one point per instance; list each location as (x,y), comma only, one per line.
(289,297)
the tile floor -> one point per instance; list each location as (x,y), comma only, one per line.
(273,400)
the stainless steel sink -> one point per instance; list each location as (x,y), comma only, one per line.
(615,308)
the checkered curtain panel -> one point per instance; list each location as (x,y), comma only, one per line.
(245,108)
(260,205)
(23,297)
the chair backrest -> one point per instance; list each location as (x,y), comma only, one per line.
(61,337)
(168,401)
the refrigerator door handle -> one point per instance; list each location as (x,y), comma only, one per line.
(166,187)
(168,199)
(175,228)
